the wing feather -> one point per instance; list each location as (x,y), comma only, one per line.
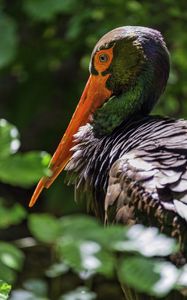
(145,189)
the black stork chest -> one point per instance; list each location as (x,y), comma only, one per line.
(93,157)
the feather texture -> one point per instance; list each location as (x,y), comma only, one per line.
(137,174)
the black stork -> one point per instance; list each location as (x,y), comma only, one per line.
(131,166)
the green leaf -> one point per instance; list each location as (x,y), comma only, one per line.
(81,293)
(7,274)
(11,215)
(11,256)
(44,227)
(24,169)
(146,241)
(169,276)
(107,260)
(4,290)
(9,139)
(37,286)
(78,222)
(57,269)
(46,9)
(18,168)
(80,226)
(150,276)
(116,234)
(9,41)
(139,273)
(69,252)
(85,256)
(21,294)
(182,279)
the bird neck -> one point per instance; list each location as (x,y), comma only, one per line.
(118,109)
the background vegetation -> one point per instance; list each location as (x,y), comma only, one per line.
(44,55)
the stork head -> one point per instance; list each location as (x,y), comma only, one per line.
(129,68)
(133,62)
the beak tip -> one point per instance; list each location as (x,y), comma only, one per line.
(31,203)
(37,192)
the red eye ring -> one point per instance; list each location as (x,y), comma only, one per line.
(103,58)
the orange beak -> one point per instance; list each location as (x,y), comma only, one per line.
(93,96)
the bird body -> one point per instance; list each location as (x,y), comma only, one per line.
(131,167)
(137,174)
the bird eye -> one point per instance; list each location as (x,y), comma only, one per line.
(103,58)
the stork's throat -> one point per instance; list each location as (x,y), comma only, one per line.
(116,110)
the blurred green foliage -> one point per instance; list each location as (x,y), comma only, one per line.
(28,169)
(85,246)
(11,260)
(18,168)
(11,215)
(4,290)
(44,56)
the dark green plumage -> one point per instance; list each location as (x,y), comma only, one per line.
(139,73)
